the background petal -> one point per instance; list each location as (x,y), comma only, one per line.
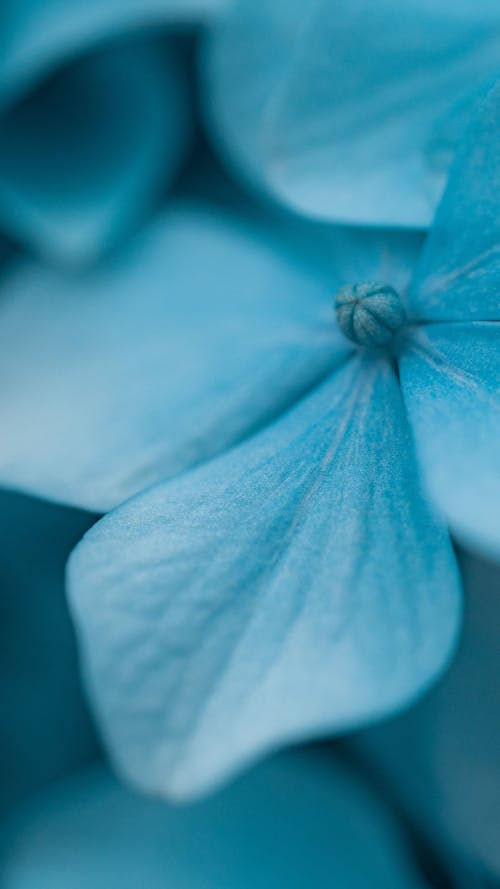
(45,729)
(451,385)
(84,156)
(37,35)
(441,760)
(295,587)
(350,110)
(296,821)
(458,277)
(209,324)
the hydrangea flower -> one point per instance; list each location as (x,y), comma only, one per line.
(348,110)
(296,821)
(304,581)
(95,118)
(212,321)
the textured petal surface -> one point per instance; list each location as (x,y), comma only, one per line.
(442,757)
(82,156)
(45,730)
(208,325)
(458,277)
(296,586)
(37,35)
(296,821)
(450,375)
(349,110)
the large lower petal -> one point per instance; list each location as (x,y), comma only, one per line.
(458,277)
(295,587)
(37,35)
(294,822)
(83,157)
(204,328)
(349,110)
(451,383)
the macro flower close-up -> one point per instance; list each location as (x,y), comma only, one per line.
(249,462)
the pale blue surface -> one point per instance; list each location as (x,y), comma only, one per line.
(264,597)
(208,325)
(295,822)
(348,110)
(83,157)
(37,35)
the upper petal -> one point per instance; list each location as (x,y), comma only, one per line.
(37,35)
(295,587)
(349,110)
(207,325)
(458,277)
(294,822)
(83,156)
(451,384)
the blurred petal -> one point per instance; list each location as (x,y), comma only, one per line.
(442,758)
(459,273)
(293,588)
(44,727)
(364,254)
(207,326)
(451,385)
(349,110)
(6,251)
(294,822)
(37,35)
(83,157)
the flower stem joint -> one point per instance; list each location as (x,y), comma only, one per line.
(369,314)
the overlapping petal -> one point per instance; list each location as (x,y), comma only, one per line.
(350,110)
(458,277)
(207,326)
(294,822)
(83,156)
(451,384)
(294,587)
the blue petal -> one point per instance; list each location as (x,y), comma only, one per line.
(349,110)
(37,35)
(6,250)
(207,326)
(450,380)
(45,729)
(441,759)
(294,822)
(82,158)
(295,587)
(459,273)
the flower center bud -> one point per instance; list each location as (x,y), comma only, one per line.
(369,314)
